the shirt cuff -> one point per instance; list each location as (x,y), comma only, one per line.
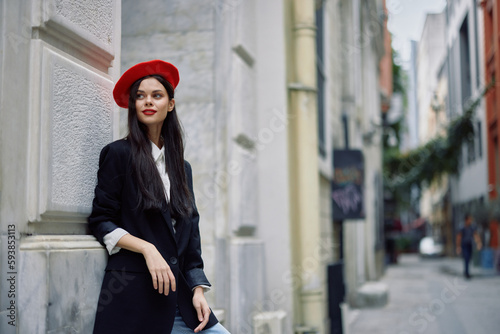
(206,288)
(111,239)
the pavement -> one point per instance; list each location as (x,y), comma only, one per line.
(431,296)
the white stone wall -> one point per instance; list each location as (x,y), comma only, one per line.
(351,60)
(60,60)
(410,136)
(60,279)
(272,167)
(231,100)
(431,56)
(336,52)
(183,33)
(361,52)
(58,69)
(73,111)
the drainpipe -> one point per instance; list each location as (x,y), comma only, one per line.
(309,291)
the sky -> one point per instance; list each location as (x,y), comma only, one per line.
(406,21)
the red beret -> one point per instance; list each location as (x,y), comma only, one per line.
(121,91)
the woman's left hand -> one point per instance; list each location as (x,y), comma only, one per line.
(202,309)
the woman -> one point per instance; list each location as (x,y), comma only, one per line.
(144,213)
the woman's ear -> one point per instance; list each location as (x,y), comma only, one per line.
(171,105)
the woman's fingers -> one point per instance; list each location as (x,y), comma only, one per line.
(172,279)
(155,281)
(161,274)
(163,280)
(202,325)
(160,284)
(202,309)
(166,282)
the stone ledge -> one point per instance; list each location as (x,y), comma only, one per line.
(279,315)
(372,294)
(59,242)
(306,330)
(220,314)
(270,322)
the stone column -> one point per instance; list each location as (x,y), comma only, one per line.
(58,68)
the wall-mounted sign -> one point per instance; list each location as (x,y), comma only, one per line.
(347,185)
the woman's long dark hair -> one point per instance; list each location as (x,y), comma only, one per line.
(145,172)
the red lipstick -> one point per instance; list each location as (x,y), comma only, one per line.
(149,112)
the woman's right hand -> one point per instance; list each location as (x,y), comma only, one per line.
(162,275)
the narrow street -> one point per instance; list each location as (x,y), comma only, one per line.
(431,296)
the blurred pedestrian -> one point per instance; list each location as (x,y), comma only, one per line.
(145,214)
(495,244)
(465,238)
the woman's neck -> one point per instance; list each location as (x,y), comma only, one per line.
(155,136)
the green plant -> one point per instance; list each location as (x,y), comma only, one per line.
(436,158)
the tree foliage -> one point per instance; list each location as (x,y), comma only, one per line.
(398,74)
(434,159)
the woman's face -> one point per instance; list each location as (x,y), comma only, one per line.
(152,103)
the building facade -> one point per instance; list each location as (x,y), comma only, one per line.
(410,138)
(431,88)
(450,76)
(490,10)
(466,81)
(59,61)
(265,89)
(362,25)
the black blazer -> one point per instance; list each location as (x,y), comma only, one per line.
(115,205)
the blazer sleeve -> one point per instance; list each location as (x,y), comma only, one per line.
(193,263)
(105,216)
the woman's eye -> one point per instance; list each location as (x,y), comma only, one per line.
(140,96)
(158,96)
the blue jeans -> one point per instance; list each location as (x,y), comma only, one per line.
(467,254)
(181,328)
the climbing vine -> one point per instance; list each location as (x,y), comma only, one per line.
(436,158)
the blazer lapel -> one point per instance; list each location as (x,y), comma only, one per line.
(168,221)
(179,227)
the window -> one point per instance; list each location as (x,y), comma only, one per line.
(320,77)
(460,162)
(465,61)
(489,22)
(497,166)
(493,93)
(476,47)
(471,150)
(453,83)
(479,140)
